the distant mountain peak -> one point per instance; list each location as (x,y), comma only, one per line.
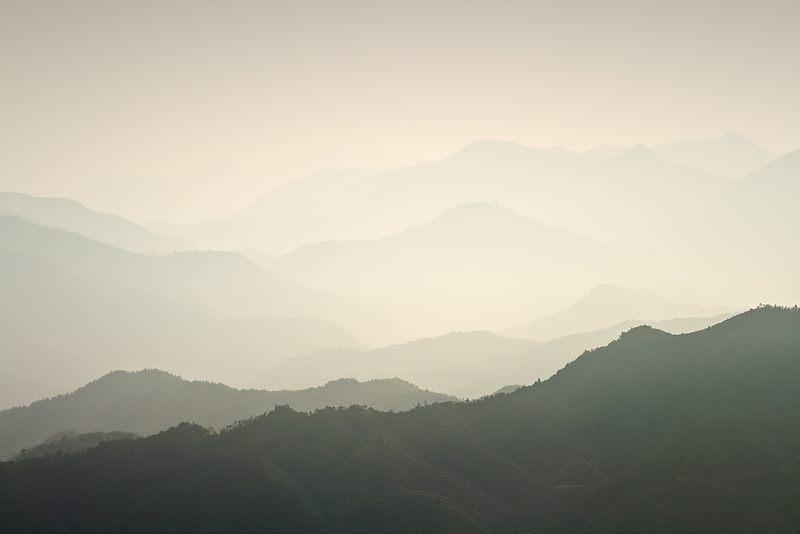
(605,305)
(478,213)
(492,148)
(642,150)
(731,154)
(733,134)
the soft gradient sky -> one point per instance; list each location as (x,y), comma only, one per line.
(96,90)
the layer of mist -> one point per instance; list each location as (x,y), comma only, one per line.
(532,244)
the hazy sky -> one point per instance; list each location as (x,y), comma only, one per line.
(95,90)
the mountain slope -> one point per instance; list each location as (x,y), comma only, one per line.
(146,402)
(729,155)
(58,330)
(593,198)
(690,433)
(475,266)
(276,220)
(465,364)
(74,217)
(225,285)
(214,193)
(603,307)
(597,199)
(750,232)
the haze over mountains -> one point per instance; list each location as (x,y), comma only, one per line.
(464,364)
(676,247)
(478,258)
(360,259)
(74,308)
(731,155)
(214,193)
(595,199)
(433,283)
(75,217)
(552,188)
(513,301)
(605,306)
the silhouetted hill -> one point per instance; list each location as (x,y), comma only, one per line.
(689,433)
(729,155)
(74,217)
(605,306)
(475,266)
(146,402)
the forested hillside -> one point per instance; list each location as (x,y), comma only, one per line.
(660,433)
(146,402)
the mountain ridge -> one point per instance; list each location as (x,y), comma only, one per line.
(148,401)
(604,306)
(690,433)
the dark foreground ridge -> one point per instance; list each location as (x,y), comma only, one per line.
(659,433)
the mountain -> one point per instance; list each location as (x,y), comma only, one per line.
(464,364)
(475,266)
(750,232)
(149,401)
(604,151)
(214,193)
(761,207)
(58,330)
(731,155)
(689,433)
(74,217)
(604,306)
(72,309)
(596,199)
(593,198)
(277,217)
(223,284)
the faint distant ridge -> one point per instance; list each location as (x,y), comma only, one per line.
(603,152)
(148,401)
(638,154)
(605,306)
(760,215)
(103,227)
(730,155)
(465,364)
(491,148)
(220,191)
(593,198)
(437,266)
